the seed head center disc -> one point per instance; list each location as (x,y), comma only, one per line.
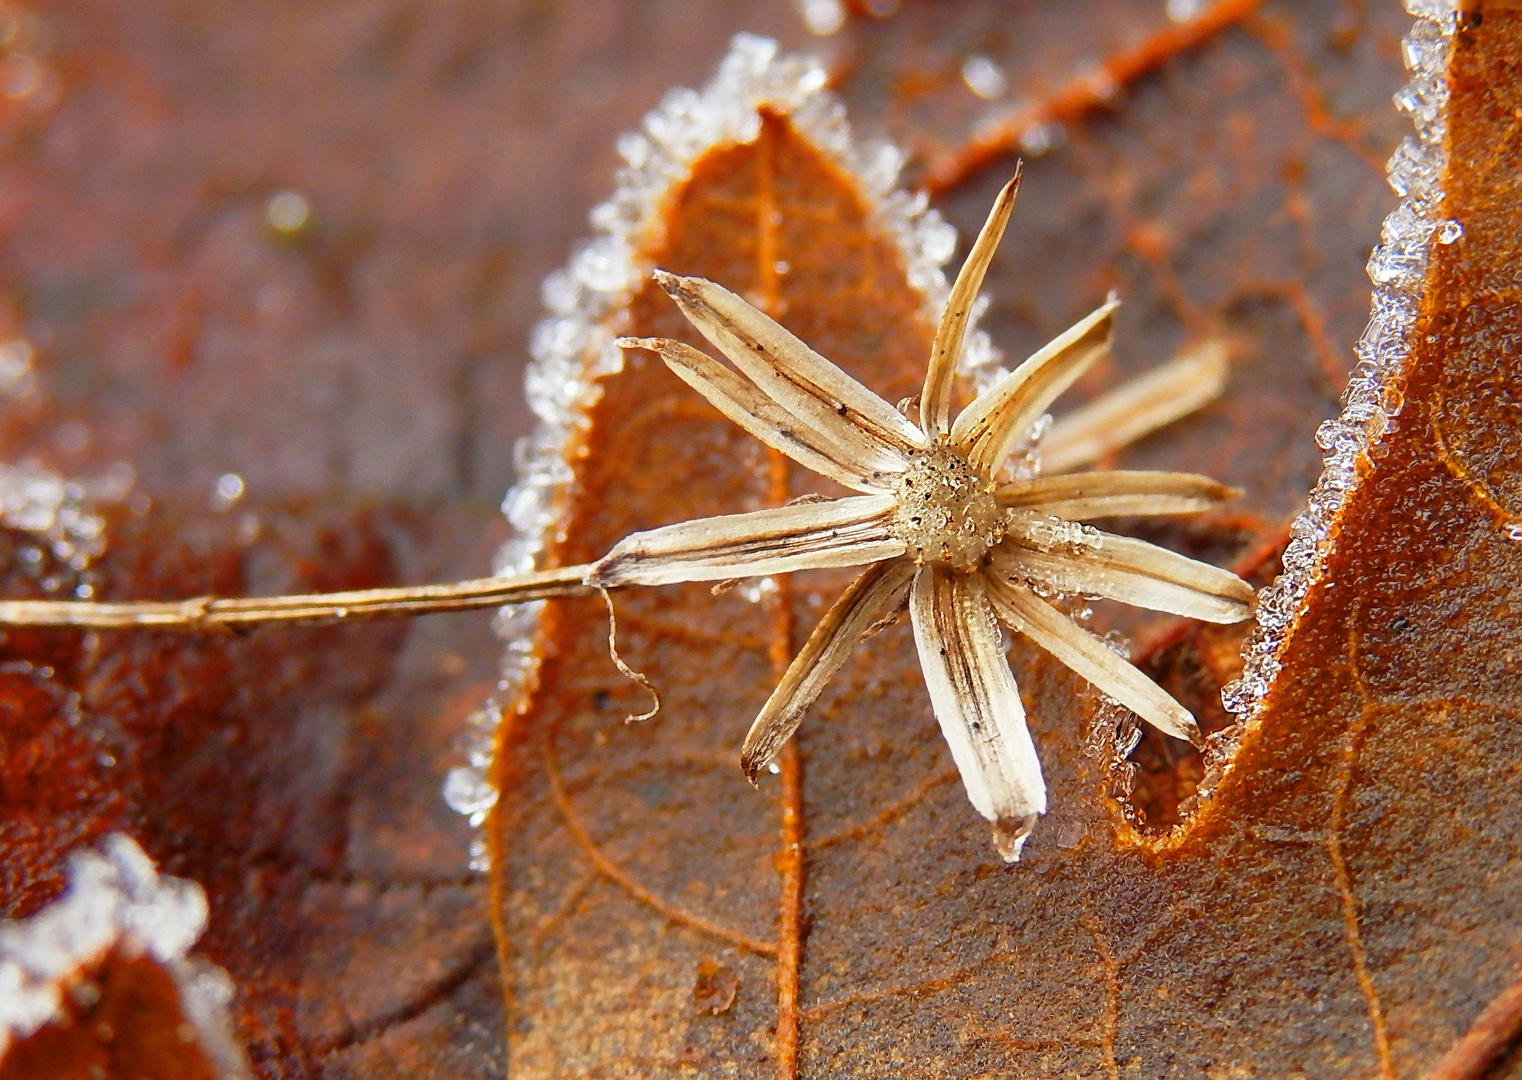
(946,512)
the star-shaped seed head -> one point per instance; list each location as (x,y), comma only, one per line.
(939,527)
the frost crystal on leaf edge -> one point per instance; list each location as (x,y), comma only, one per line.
(1398,269)
(116,900)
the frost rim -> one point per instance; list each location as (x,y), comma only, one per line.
(573,347)
(116,901)
(1372,400)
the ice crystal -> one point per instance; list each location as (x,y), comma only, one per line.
(62,516)
(1398,269)
(116,902)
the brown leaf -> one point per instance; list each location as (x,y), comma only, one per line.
(133,1027)
(369,354)
(259,766)
(1343,906)
(99,983)
(446,173)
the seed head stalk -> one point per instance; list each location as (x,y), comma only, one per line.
(210,614)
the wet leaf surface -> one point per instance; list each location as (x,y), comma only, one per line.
(250,765)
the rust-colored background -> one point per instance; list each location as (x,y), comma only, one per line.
(363,378)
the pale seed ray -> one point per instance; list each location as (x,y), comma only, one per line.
(1081,496)
(940,376)
(1127,506)
(839,532)
(1129,570)
(977,703)
(826,650)
(1091,658)
(999,417)
(1137,408)
(791,373)
(747,405)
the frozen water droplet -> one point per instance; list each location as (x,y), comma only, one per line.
(984,77)
(287,212)
(758,589)
(1071,834)
(227,490)
(1425,48)
(480,855)
(1514,530)
(1425,99)
(468,792)
(1435,10)
(16,368)
(1449,231)
(1043,139)
(1413,170)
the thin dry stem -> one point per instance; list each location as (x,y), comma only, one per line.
(204,614)
(625,670)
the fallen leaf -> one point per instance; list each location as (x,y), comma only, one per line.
(283,264)
(132,1029)
(99,984)
(1344,905)
(447,153)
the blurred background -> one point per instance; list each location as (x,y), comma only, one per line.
(301,244)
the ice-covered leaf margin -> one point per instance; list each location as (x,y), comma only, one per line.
(116,902)
(1398,269)
(573,348)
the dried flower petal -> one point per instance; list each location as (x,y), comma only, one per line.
(935,400)
(837,532)
(976,701)
(1091,658)
(999,417)
(846,623)
(1123,568)
(1081,496)
(795,375)
(1137,408)
(747,405)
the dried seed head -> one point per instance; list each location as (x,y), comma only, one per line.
(946,512)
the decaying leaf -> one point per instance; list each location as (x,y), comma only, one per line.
(1343,907)
(1344,904)
(234,760)
(99,983)
(320,401)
